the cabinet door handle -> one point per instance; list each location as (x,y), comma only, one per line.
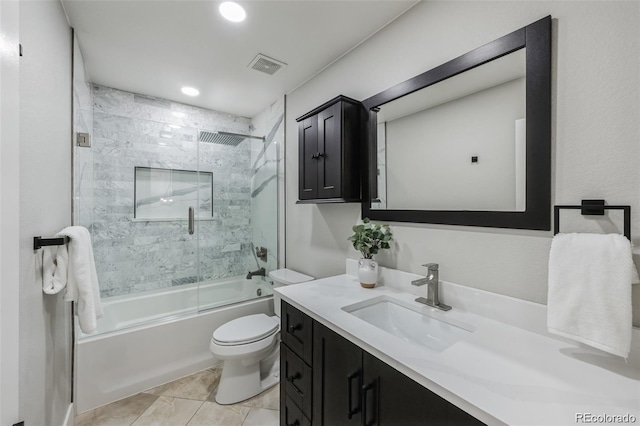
(294,377)
(321,154)
(365,389)
(314,156)
(292,331)
(352,411)
(295,423)
(293,328)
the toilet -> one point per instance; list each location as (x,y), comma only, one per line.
(250,348)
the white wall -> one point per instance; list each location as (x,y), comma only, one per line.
(9,213)
(429,153)
(595,110)
(45,208)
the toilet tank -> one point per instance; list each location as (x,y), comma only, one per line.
(282,277)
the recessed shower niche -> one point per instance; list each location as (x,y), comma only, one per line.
(166,194)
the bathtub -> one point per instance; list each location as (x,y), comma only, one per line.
(152,338)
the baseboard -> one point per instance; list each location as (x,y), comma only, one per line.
(68,420)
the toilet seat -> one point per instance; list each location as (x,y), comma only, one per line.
(245,330)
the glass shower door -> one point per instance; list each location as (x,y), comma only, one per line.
(239,245)
(135,193)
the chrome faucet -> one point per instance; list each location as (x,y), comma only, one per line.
(431,280)
(260,272)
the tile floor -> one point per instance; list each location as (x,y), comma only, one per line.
(186,402)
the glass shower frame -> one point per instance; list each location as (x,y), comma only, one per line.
(96,193)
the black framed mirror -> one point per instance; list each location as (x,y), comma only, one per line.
(467,142)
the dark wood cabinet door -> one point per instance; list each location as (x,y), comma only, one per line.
(295,331)
(291,415)
(337,379)
(308,158)
(392,399)
(458,417)
(330,152)
(297,379)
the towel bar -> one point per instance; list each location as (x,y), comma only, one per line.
(593,207)
(39,242)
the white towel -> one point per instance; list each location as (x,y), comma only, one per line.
(589,298)
(82,279)
(54,269)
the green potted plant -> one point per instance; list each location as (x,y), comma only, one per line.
(369,238)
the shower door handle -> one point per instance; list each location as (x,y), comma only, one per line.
(191,221)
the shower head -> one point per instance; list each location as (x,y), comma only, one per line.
(220,138)
(225,138)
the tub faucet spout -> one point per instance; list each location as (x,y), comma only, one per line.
(260,272)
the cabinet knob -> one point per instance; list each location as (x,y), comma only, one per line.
(293,328)
(294,377)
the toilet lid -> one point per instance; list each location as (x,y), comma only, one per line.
(246,329)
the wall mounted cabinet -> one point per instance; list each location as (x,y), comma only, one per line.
(330,147)
(345,385)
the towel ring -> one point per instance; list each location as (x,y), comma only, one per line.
(593,208)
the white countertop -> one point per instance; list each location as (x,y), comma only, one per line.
(500,373)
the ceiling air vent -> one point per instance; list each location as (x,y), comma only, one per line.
(266,64)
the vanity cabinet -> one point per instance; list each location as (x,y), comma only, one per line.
(345,385)
(352,387)
(329,150)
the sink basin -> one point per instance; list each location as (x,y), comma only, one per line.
(410,323)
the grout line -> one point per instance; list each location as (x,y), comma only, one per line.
(245,416)
(183,397)
(194,414)
(141,414)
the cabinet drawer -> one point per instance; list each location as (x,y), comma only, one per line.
(297,331)
(291,415)
(296,379)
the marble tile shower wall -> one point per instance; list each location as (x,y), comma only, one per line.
(137,255)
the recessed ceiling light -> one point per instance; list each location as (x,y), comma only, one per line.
(190,91)
(178,114)
(232,11)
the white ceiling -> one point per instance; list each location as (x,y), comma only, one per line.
(156,47)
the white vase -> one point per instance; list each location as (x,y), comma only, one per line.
(368,272)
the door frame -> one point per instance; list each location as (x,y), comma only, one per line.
(9,212)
